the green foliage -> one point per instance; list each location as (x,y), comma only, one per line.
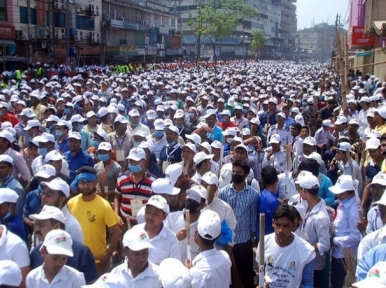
(258,40)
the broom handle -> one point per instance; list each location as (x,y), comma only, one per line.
(261,250)
(187,225)
(353,178)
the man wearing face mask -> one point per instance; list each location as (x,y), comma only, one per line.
(243,200)
(226,120)
(137,138)
(120,140)
(77,126)
(25,115)
(158,139)
(171,153)
(68,111)
(61,135)
(136,125)
(179,122)
(33,128)
(133,187)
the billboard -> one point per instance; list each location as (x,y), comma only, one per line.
(359,38)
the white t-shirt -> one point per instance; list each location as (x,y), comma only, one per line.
(284,265)
(148,278)
(37,163)
(12,247)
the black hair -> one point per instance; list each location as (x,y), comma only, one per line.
(198,166)
(207,242)
(269,175)
(310,165)
(313,191)
(104,117)
(54,221)
(305,127)
(243,164)
(295,211)
(297,126)
(7,163)
(383,137)
(284,210)
(86,169)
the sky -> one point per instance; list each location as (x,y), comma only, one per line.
(319,11)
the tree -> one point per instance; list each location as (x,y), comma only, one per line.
(258,41)
(219,18)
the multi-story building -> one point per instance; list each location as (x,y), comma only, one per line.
(288,27)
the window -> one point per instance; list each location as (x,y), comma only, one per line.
(85,23)
(24,15)
(3,10)
(59,19)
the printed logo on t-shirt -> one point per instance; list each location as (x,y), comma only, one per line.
(292,266)
(91,217)
(270,261)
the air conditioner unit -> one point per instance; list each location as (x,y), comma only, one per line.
(107,17)
(78,38)
(58,5)
(147,24)
(78,10)
(19,34)
(121,19)
(142,22)
(94,36)
(94,10)
(64,32)
(58,33)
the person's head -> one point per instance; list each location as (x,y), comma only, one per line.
(310,165)
(210,182)
(188,152)
(11,276)
(46,143)
(309,145)
(208,229)
(120,124)
(211,118)
(56,249)
(134,117)
(377,188)
(305,132)
(6,166)
(196,198)
(341,154)
(308,185)
(6,139)
(156,211)
(298,218)
(203,162)
(86,180)
(136,159)
(49,218)
(240,171)
(295,129)
(344,188)
(280,118)
(171,134)
(383,144)
(216,150)
(74,142)
(373,146)
(353,126)
(54,158)
(269,176)
(104,151)
(136,243)
(164,187)
(8,199)
(55,192)
(32,128)
(240,152)
(283,222)
(62,128)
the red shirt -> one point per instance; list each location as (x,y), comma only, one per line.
(9,118)
(224,126)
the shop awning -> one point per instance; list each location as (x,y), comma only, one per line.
(6,42)
(377,28)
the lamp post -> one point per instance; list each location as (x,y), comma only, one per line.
(243,38)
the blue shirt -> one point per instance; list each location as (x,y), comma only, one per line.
(244,206)
(15,185)
(266,118)
(289,121)
(268,203)
(63,146)
(79,160)
(215,134)
(324,192)
(172,155)
(371,257)
(83,261)
(16,226)
(85,140)
(33,203)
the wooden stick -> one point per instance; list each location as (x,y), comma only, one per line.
(288,168)
(370,64)
(187,225)
(353,178)
(261,250)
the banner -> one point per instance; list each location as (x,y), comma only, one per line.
(359,38)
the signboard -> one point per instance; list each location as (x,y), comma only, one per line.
(40,12)
(7,32)
(87,49)
(359,38)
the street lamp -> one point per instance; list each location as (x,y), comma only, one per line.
(243,39)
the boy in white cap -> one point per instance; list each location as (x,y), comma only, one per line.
(137,270)
(173,274)
(316,222)
(323,136)
(210,268)
(10,274)
(55,250)
(162,238)
(345,233)
(203,164)
(275,154)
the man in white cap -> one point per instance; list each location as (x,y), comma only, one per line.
(61,135)
(137,270)
(36,107)
(55,250)
(173,274)
(51,218)
(316,222)
(120,139)
(323,136)
(92,120)
(77,122)
(345,233)
(211,267)
(280,129)
(158,139)
(275,154)
(171,153)
(135,124)
(380,119)
(376,276)
(10,274)
(203,165)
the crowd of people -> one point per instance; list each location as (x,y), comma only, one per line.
(157,177)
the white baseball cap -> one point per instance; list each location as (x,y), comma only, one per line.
(151,114)
(372,143)
(136,154)
(197,192)
(8,195)
(103,111)
(74,135)
(343,146)
(376,277)
(201,156)
(90,114)
(380,179)
(207,146)
(64,123)
(309,141)
(136,239)
(107,280)
(173,128)
(53,155)
(194,138)
(343,184)
(7,135)
(134,113)
(159,202)
(46,171)
(6,158)
(46,137)
(232,131)
(295,110)
(58,242)
(77,118)
(191,146)
(121,119)
(314,155)
(327,123)
(275,138)
(209,225)
(210,178)
(272,100)
(172,172)
(32,123)
(105,146)
(164,186)
(226,112)
(255,121)
(307,180)
(58,184)
(216,144)
(102,134)
(159,124)
(381,111)
(340,120)
(49,212)
(11,274)
(27,112)
(353,121)
(173,274)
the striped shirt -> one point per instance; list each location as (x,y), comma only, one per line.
(244,206)
(131,191)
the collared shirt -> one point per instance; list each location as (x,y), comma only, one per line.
(322,136)
(39,111)
(374,220)
(85,140)
(244,206)
(37,163)
(79,160)
(211,268)
(277,160)
(148,278)
(370,258)
(297,145)
(120,142)
(165,245)
(19,165)
(72,225)
(89,129)
(140,127)
(268,202)
(157,145)
(345,231)
(371,240)
(284,132)
(12,247)
(345,168)
(67,277)
(8,117)
(83,261)
(316,230)
(33,203)
(170,155)
(241,123)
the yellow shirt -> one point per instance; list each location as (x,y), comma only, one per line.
(93,217)
(381,129)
